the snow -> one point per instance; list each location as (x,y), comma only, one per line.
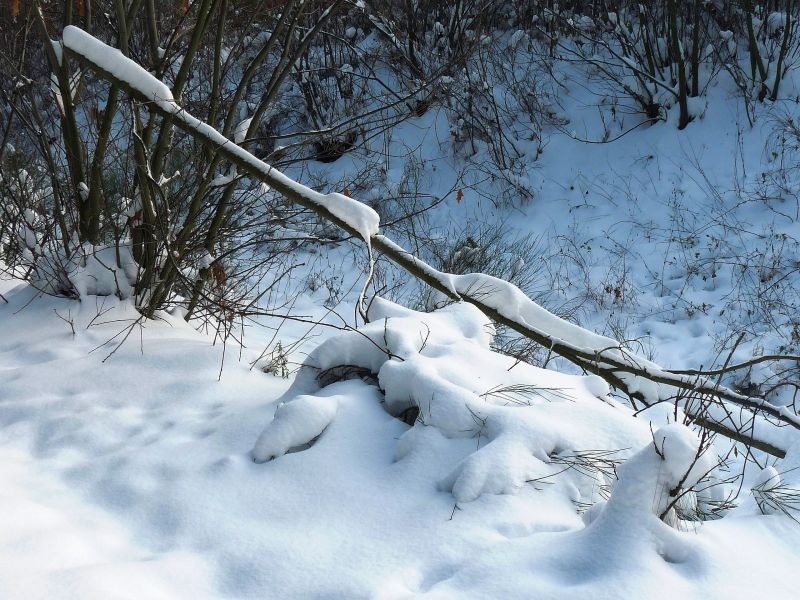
(509,301)
(295,423)
(517,37)
(95,271)
(54,546)
(624,532)
(223,180)
(240,131)
(116,63)
(159,466)
(670,462)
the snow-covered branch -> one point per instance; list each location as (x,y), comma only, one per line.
(499,300)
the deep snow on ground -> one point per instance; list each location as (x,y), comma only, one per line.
(128,472)
(130,475)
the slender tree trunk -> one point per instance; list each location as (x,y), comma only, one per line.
(69,123)
(787,35)
(696,41)
(756,64)
(678,60)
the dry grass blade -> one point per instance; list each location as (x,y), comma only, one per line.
(590,463)
(776,496)
(522,393)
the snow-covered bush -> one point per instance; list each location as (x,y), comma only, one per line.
(653,56)
(96,175)
(654,480)
(656,54)
(496,252)
(490,250)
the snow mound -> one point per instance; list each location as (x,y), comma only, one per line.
(625,530)
(653,480)
(503,466)
(437,370)
(295,423)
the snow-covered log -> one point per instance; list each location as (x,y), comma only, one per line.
(499,300)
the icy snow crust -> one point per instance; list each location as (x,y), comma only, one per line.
(134,477)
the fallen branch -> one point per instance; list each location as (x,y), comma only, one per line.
(499,300)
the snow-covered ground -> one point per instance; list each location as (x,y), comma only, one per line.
(131,475)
